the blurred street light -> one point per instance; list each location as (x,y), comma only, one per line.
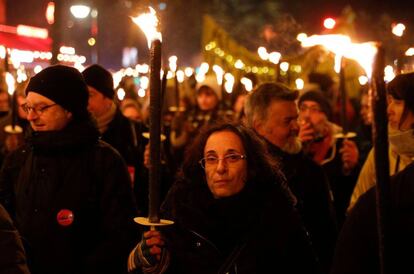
(82,11)
(329,23)
(284,66)
(301,37)
(398,29)
(299,83)
(409,52)
(263,53)
(363,80)
(274,57)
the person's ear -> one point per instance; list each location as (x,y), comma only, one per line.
(68,114)
(258,126)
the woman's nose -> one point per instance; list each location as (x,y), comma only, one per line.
(221,166)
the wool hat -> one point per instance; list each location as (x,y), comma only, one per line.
(318,97)
(100,79)
(211,82)
(63,85)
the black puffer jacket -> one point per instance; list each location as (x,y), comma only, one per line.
(255,231)
(70,172)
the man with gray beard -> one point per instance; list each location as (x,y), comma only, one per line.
(272,112)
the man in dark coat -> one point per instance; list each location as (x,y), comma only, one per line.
(68,192)
(324,142)
(12,256)
(272,112)
(117,130)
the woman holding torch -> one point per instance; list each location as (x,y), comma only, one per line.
(232,213)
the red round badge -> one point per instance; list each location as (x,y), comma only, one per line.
(65,217)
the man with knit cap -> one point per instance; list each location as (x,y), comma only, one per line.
(338,156)
(67,191)
(117,130)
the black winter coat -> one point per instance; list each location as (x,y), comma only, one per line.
(357,248)
(309,184)
(342,185)
(12,256)
(126,136)
(255,231)
(59,173)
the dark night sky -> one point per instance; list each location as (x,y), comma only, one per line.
(309,13)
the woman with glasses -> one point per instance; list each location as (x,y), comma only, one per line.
(232,213)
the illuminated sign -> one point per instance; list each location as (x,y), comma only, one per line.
(32,31)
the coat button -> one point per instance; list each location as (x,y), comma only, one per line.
(198,244)
(36,210)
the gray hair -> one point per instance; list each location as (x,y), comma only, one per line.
(258,102)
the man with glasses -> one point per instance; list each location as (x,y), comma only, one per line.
(338,156)
(67,191)
(272,112)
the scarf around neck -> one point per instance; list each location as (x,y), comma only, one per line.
(402,142)
(74,136)
(106,118)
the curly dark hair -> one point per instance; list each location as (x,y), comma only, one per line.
(261,167)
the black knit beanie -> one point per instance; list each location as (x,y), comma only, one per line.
(63,85)
(318,97)
(100,79)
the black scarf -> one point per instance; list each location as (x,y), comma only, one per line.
(76,135)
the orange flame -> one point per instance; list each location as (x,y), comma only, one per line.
(342,46)
(148,22)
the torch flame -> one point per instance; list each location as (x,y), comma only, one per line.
(148,22)
(342,46)
(364,54)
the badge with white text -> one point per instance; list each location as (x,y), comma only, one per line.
(65,217)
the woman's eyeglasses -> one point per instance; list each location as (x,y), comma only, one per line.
(212,161)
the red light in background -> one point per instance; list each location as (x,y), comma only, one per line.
(329,23)
(50,13)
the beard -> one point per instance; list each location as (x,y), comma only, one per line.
(293,145)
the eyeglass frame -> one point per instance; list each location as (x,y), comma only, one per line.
(225,158)
(36,110)
(312,109)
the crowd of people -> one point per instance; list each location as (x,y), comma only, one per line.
(273,185)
